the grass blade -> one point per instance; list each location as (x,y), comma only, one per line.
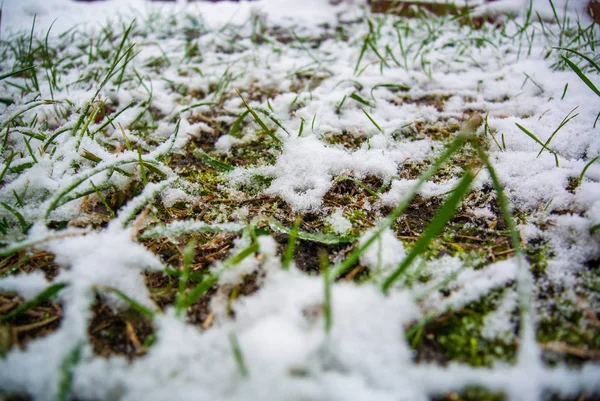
(45,295)
(193,106)
(258,120)
(214,163)
(103,200)
(535,138)
(23,110)
(291,245)
(373,121)
(301,129)
(327,315)
(238,355)
(142,168)
(238,122)
(326,239)
(583,56)
(67,367)
(13,73)
(172,138)
(360,99)
(568,118)
(357,182)
(523,285)
(588,165)
(143,310)
(433,229)
(270,116)
(195,293)
(8,161)
(353,257)
(24,225)
(182,227)
(581,75)
(188,259)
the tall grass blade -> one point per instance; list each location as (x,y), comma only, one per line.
(433,229)
(585,169)
(17,72)
(67,368)
(568,118)
(188,259)
(238,356)
(327,315)
(291,245)
(583,56)
(515,239)
(535,138)
(353,257)
(581,75)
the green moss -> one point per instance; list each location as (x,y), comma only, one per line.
(457,336)
(566,322)
(346,139)
(472,394)
(259,183)
(207,177)
(537,253)
(255,152)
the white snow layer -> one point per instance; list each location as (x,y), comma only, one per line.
(279,329)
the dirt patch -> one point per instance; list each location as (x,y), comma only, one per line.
(36,322)
(26,262)
(126,333)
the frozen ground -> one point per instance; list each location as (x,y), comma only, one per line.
(158,174)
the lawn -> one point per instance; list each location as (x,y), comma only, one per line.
(241,202)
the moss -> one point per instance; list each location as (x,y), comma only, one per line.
(537,253)
(472,394)
(566,323)
(573,183)
(457,336)
(361,220)
(346,139)
(253,152)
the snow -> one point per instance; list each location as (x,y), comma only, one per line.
(385,254)
(280,328)
(338,222)
(500,323)
(28,287)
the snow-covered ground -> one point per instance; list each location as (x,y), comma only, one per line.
(321,72)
